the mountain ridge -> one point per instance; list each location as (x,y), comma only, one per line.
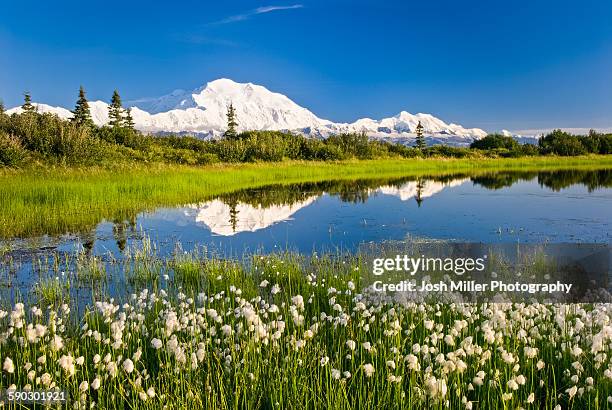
(202,112)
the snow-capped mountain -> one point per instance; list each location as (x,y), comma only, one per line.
(203,112)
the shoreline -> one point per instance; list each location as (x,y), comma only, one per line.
(58,200)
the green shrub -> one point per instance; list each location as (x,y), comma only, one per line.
(598,143)
(494,141)
(12,153)
(561,143)
(451,152)
(232,150)
(124,136)
(352,145)
(55,139)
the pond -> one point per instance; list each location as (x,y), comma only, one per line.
(334,217)
(503,207)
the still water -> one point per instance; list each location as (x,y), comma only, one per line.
(528,207)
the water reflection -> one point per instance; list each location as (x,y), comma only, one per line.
(251,210)
(482,206)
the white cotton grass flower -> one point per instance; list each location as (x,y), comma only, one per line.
(351,344)
(46,379)
(57,343)
(156,343)
(336,374)
(8,365)
(66,362)
(151,392)
(84,386)
(95,384)
(368,369)
(324,360)
(226,330)
(128,366)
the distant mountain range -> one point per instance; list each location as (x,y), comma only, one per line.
(203,111)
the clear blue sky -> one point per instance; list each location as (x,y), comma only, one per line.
(482,63)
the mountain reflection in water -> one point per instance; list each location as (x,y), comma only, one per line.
(570,206)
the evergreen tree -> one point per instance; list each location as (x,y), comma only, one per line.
(420,140)
(115,111)
(82,115)
(231,132)
(2,107)
(129,121)
(27,103)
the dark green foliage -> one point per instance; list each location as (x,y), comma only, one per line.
(528,150)
(129,121)
(231,132)
(598,143)
(561,143)
(493,141)
(82,115)
(450,152)
(2,109)
(52,138)
(12,154)
(420,139)
(124,136)
(27,103)
(352,145)
(232,150)
(115,111)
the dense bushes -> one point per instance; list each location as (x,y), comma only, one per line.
(12,154)
(53,139)
(562,143)
(49,139)
(494,141)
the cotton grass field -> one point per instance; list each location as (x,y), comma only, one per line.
(288,331)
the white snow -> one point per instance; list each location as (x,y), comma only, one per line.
(216,216)
(411,189)
(204,109)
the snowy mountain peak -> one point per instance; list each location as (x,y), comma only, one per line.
(203,111)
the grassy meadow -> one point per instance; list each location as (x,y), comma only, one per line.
(52,200)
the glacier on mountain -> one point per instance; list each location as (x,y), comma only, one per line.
(202,112)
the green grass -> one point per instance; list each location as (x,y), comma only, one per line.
(56,200)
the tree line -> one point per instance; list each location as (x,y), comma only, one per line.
(43,138)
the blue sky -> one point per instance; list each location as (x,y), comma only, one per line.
(490,64)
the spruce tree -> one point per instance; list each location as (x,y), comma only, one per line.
(2,107)
(115,111)
(231,132)
(27,106)
(420,140)
(128,121)
(82,115)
